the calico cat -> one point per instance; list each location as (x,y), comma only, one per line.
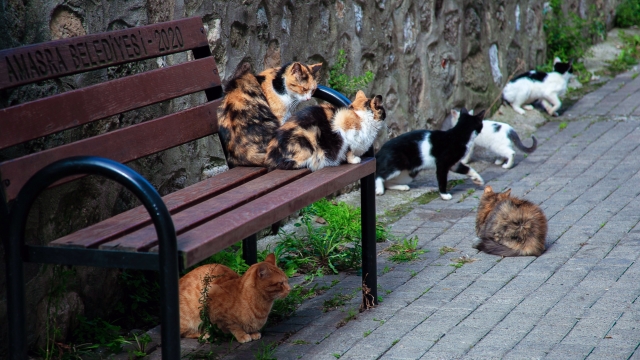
(538,85)
(509,226)
(322,135)
(236,304)
(498,138)
(287,86)
(400,159)
(246,118)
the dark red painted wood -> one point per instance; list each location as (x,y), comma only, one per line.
(52,59)
(59,112)
(136,218)
(145,238)
(121,145)
(199,243)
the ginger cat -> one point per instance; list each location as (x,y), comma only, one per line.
(236,304)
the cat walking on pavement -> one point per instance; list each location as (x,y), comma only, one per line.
(401,159)
(499,138)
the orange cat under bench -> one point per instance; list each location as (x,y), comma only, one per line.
(167,233)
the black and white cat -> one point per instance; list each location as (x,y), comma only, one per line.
(499,138)
(538,85)
(400,159)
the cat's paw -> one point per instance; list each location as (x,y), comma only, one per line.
(399,187)
(445,196)
(528,107)
(507,166)
(499,161)
(379,186)
(477,180)
(245,338)
(519,111)
(354,159)
(256,336)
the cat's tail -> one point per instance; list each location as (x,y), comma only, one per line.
(513,136)
(495,248)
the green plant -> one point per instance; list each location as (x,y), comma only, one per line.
(208,330)
(141,306)
(141,341)
(459,262)
(336,355)
(562,125)
(265,351)
(413,273)
(447,249)
(629,54)
(300,342)
(99,333)
(367,333)
(351,315)
(336,301)
(395,342)
(628,13)
(385,270)
(569,35)
(340,81)
(405,250)
(59,281)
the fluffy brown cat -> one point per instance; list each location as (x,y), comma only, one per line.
(509,226)
(236,304)
(254,106)
(320,136)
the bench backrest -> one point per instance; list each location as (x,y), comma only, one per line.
(52,114)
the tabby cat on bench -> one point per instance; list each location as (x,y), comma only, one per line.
(254,107)
(322,135)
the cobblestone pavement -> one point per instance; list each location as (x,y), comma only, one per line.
(577,300)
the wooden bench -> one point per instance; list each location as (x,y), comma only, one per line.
(166,234)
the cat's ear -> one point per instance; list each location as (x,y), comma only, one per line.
(507,192)
(481,114)
(271,258)
(556,60)
(464,111)
(488,189)
(263,271)
(315,69)
(377,101)
(360,95)
(296,70)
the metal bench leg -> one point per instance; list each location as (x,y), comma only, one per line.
(368,217)
(250,249)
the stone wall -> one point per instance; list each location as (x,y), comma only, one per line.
(428,56)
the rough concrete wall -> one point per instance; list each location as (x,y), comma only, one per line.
(427,56)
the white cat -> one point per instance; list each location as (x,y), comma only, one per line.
(538,85)
(498,138)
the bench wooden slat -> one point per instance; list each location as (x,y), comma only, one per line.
(149,137)
(145,238)
(197,244)
(78,107)
(31,63)
(138,217)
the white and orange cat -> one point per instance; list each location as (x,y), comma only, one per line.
(322,135)
(236,304)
